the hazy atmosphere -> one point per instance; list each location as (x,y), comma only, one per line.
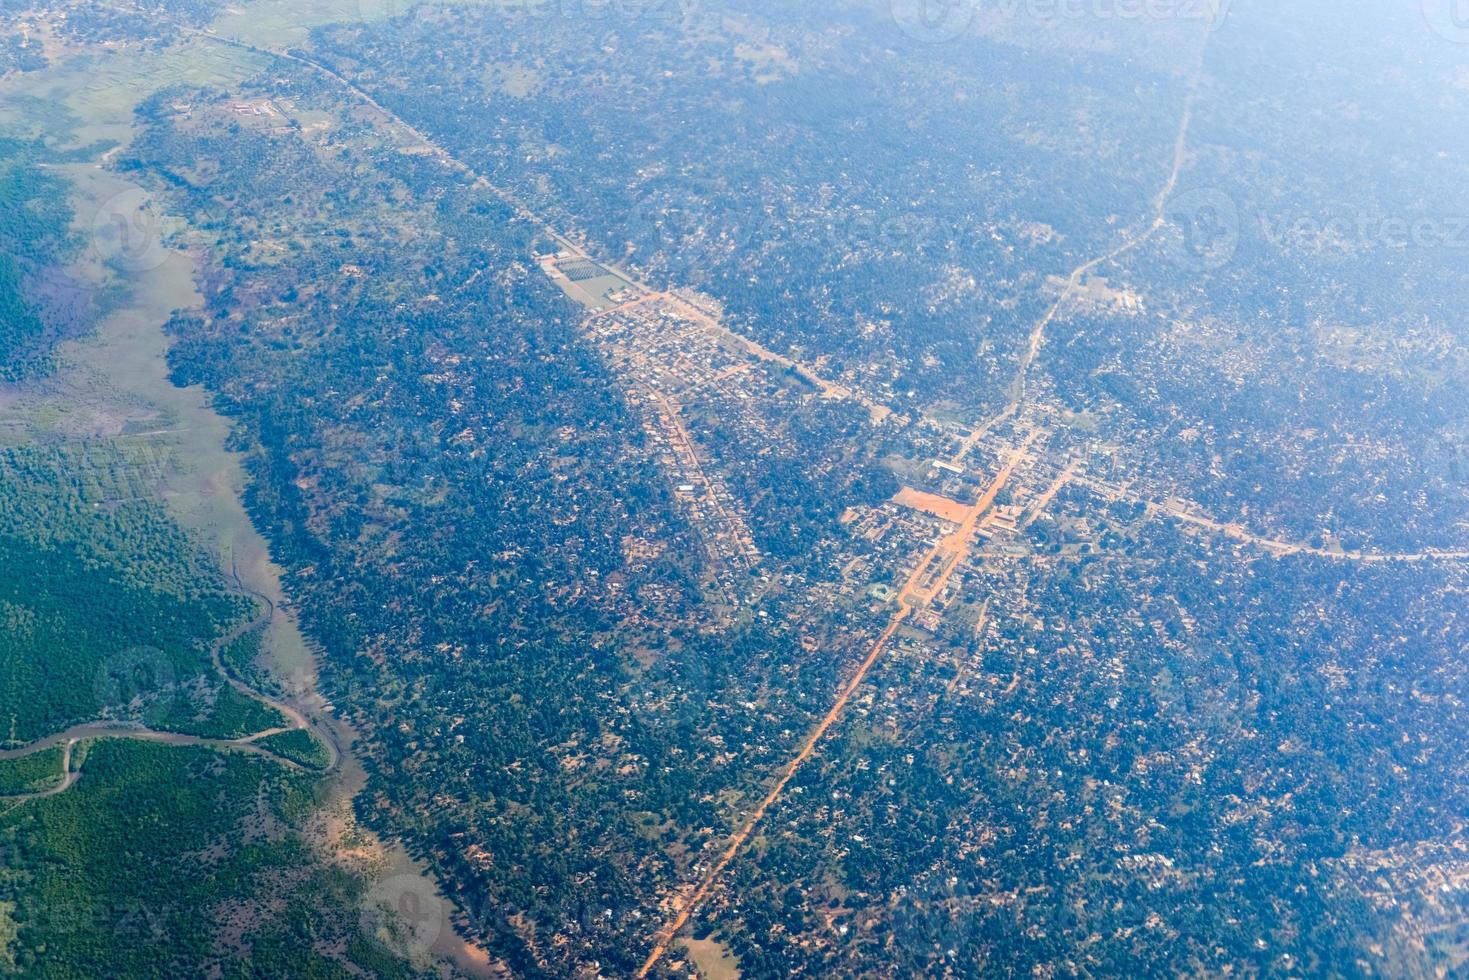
(723,489)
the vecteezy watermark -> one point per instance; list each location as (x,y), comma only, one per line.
(1204,228)
(937,21)
(129,235)
(128,680)
(901,232)
(684,213)
(1201,229)
(404,913)
(1448,19)
(1447,461)
(626,11)
(934,21)
(1364,230)
(135,922)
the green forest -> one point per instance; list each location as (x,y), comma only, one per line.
(34,239)
(170,862)
(159,860)
(33,773)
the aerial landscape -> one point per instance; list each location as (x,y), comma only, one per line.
(727,489)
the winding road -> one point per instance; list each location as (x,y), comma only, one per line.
(248,744)
(1079,274)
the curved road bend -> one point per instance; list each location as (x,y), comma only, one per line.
(245,743)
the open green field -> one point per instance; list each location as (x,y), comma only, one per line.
(162,860)
(127,552)
(32,773)
(80,643)
(114,385)
(299,746)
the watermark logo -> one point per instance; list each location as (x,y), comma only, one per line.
(929,920)
(128,680)
(667,217)
(134,921)
(1364,231)
(934,21)
(901,233)
(663,12)
(128,234)
(1202,229)
(939,21)
(1214,13)
(1449,19)
(674,693)
(141,924)
(405,914)
(1447,461)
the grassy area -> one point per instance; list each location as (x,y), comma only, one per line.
(162,860)
(213,711)
(79,641)
(32,773)
(33,226)
(299,746)
(713,958)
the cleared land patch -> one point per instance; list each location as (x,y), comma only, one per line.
(931,503)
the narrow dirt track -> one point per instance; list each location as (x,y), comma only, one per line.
(245,743)
(908,599)
(1159,220)
(753,820)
